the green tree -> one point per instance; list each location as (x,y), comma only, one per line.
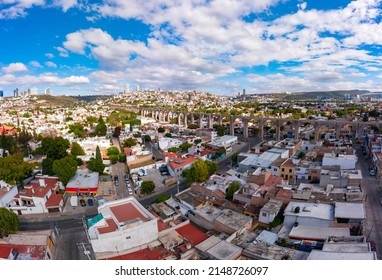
(197,173)
(161,130)
(220,129)
(129,142)
(147,187)
(168,135)
(96,164)
(192,126)
(8,143)
(55,148)
(112,151)
(172,150)
(113,158)
(47,166)
(122,157)
(9,222)
(234,158)
(65,168)
(162,197)
(77,150)
(147,138)
(13,169)
(100,129)
(212,167)
(184,147)
(233,187)
(197,141)
(77,129)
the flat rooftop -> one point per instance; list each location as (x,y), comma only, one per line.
(321,255)
(349,210)
(312,210)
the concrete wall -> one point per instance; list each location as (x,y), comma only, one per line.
(125,239)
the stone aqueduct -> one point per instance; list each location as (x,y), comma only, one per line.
(186,118)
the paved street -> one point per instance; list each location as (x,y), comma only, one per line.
(119,169)
(371,186)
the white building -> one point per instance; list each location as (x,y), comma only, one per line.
(308,214)
(7,193)
(344,161)
(167,143)
(269,211)
(121,226)
(224,141)
(126,89)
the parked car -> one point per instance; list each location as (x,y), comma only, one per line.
(82,202)
(372,172)
(90,202)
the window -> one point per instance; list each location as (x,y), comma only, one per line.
(290,170)
(264,214)
(274,169)
(282,169)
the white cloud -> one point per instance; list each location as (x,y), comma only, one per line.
(35,64)
(14,67)
(43,80)
(17,8)
(302,6)
(51,64)
(65,4)
(62,52)
(49,55)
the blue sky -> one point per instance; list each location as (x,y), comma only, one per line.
(222,46)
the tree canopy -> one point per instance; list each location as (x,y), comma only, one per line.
(147,187)
(112,151)
(9,222)
(54,148)
(233,187)
(200,171)
(129,142)
(77,150)
(96,164)
(100,129)
(65,168)
(13,169)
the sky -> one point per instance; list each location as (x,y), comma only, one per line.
(83,47)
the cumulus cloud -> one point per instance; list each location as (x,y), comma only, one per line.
(49,55)
(51,64)
(35,64)
(14,67)
(43,79)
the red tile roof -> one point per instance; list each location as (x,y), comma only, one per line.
(110,227)
(180,162)
(158,253)
(54,200)
(126,212)
(192,234)
(36,252)
(5,252)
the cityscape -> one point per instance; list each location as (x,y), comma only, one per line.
(192,130)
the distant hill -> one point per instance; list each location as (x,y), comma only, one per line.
(53,100)
(312,95)
(91,98)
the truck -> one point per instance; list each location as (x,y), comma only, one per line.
(74,201)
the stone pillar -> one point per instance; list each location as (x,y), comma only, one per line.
(261,129)
(185,119)
(209,121)
(178,118)
(245,129)
(338,128)
(297,130)
(232,125)
(316,130)
(143,113)
(220,120)
(278,130)
(201,120)
(192,118)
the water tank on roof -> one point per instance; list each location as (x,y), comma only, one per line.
(297,209)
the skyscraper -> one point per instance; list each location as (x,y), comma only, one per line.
(137,87)
(16,93)
(1,93)
(243,91)
(47,91)
(127,88)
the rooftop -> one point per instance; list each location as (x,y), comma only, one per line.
(349,210)
(313,210)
